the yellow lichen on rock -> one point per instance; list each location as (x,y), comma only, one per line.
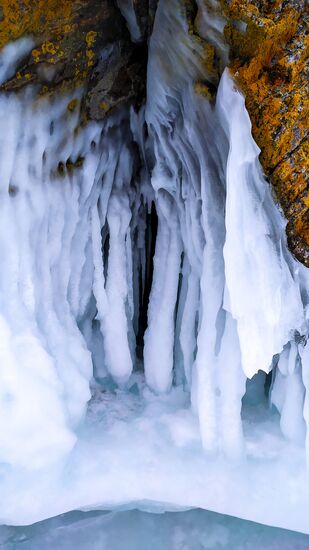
(68,36)
(72,105)
(91,38)
(22,17)
(203,89)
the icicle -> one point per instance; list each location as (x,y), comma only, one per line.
(249,286)
(115,322)
(231,388)
(159,337)
(53,286)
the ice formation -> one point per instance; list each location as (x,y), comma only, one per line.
(242,297)
(81,211)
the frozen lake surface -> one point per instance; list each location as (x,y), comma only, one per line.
(135,530)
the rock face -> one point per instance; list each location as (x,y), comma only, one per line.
(77,43)
(269,60)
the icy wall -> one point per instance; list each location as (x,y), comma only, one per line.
(61,189)
(82,209)
(241,297)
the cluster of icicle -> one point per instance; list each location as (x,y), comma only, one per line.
(227,298)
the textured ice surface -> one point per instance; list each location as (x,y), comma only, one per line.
(228,303)
(133,530)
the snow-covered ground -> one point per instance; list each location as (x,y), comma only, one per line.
(138,450)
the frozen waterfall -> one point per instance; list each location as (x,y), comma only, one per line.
(146,291)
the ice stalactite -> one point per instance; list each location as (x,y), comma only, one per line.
(115,320)
(261,277)
(40,400)
(159,337)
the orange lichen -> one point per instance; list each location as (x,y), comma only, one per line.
(72,105)
(31,16)
(91,38)
(104,106)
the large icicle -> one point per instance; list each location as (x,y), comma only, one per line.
(159,337)
(115,321)
(261,276)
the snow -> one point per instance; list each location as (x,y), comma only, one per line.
(138,450)
(85,423)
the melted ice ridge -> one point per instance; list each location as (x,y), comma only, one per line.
(227,301)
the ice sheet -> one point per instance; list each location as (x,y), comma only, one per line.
(133,530)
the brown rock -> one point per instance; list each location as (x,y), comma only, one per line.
(77,42)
